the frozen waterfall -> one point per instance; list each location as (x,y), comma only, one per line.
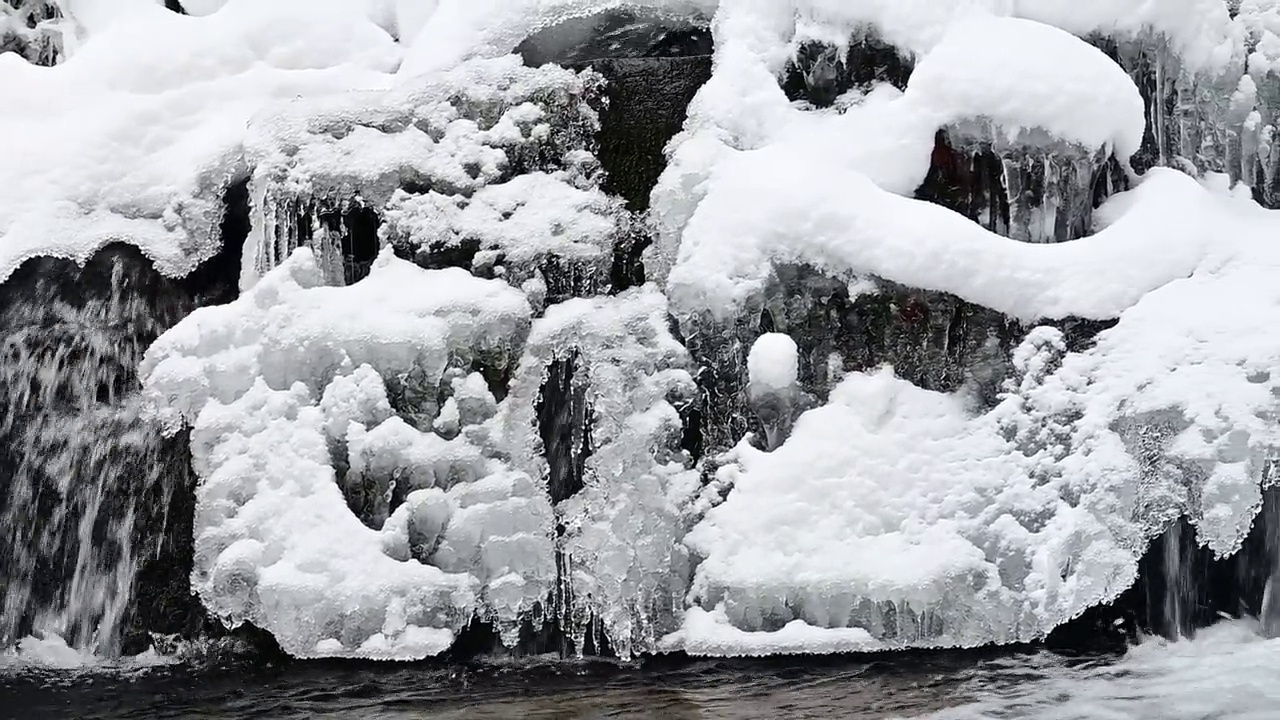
(724,327)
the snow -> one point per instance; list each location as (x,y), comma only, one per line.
(839,221)
(893,510)
(373,458)
(524,221)
(170,97)
(1025,75)
(772,364)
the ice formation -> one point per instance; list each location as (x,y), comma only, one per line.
(435,402)
(292,407)
(615,362)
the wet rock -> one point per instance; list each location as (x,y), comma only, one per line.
(95,504)
(33,30)
(618,33)
(820,73)
(1034,189)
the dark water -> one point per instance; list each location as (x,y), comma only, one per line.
(907,685)
(1227,672)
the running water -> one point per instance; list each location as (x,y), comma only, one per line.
(89,482)
(1228,671)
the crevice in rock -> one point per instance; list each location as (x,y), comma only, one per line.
(563,423)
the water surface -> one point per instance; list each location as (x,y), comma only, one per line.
(1228,671)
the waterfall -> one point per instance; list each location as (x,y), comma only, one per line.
(87,484)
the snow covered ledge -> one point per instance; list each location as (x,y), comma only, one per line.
(1056,507)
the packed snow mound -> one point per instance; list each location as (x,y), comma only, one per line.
(765,210)
(772,364)
(304,405)
(1024,75)
(893,510)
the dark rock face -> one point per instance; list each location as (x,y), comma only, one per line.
(31,33)
(96,503)
(646,100)
(934,340)
(620,33)
(652,66)
(563,414)
(819,73)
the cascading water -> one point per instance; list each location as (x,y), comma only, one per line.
(88,481)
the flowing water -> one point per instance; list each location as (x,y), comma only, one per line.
(1227,671)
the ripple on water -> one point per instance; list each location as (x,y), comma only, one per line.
(1227,671)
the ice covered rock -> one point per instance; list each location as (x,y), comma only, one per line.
(32,29)
(931,532)
(615,414)
(821,73)
(1031,191)
(487,166)
(296,416)
(136,134)
(618,32)
(536,224)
